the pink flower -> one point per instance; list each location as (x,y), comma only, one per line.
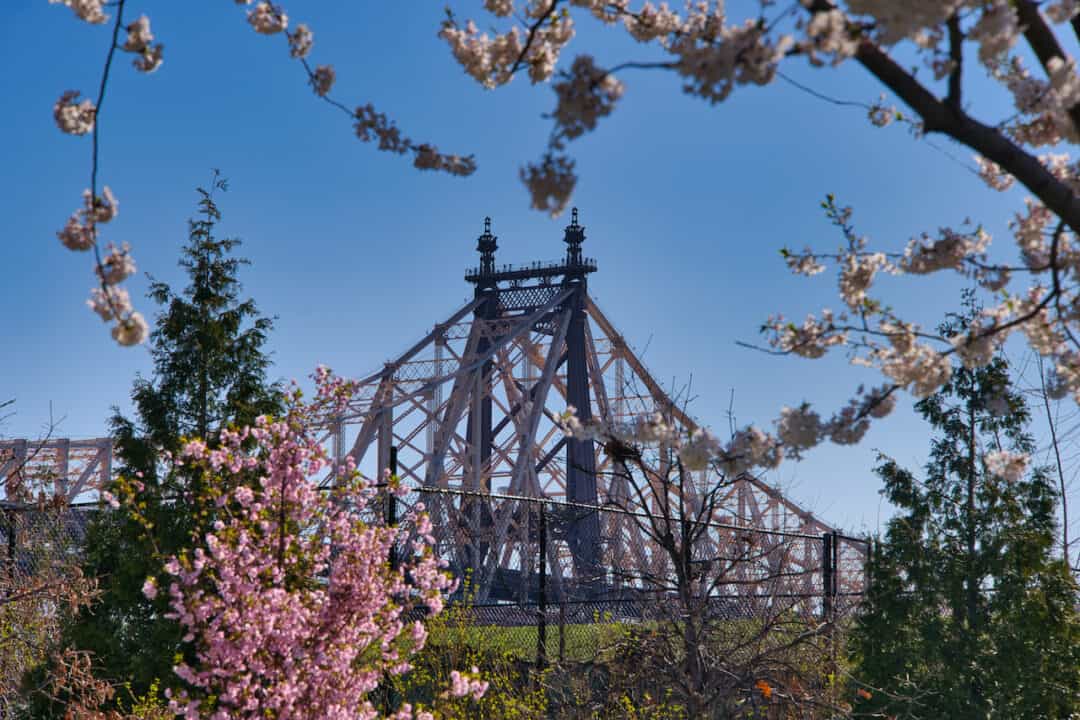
(263,644)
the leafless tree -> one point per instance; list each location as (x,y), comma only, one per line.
(41,583)
(732,623)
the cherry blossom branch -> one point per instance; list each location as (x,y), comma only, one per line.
(987,141)
(81,232)
(1063,487)
(819,95)
(639,65)
(270,19)
(1043,43)
(99,265)
(530,39)
(108,300)
(101,97)
(711,57)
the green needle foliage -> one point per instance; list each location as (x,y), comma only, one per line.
(970,613)
(210,373)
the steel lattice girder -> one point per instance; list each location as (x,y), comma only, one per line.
(59,467)
(509,372)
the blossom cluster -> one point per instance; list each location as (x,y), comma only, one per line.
(550,182)
(268,19)
(73,116)
(711,55)
(585,95)
(139,41)
(492,61)
(462,684)
(111,302)
(918,360)
(797,430)
(373,126)
(288,598)
(91,11)
(992,174)
(1007,465)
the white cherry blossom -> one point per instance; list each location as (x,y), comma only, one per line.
(76,235)
(92,11)
(322,80)
(1062,10)
(132,330)
(584,96)
(301,41)
(110,302)
(139,41)
(117,266)
(993,175)
(830,35)
(72,117)
(550,183)
(139,35)
(799,429)
(268,19)
(1006,465)
(996,31)
(857,275)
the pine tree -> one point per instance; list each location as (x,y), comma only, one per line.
(210,373)
(969,614)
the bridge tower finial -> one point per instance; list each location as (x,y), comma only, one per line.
(486,245)
(574,236)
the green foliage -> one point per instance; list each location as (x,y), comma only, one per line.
(515,691)
(210,370)
(969,613)
(149,705)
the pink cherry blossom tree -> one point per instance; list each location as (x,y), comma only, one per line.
(289,603)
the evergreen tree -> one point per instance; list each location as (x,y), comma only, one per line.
(969,614)
(210,370)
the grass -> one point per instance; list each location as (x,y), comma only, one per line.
(580,641)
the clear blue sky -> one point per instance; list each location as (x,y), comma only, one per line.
(357,254)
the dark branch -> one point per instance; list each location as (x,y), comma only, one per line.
(533,30)
(938,117)
(956,54)
(1043,42)
(987,141)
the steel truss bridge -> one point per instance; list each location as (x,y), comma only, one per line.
(471,412)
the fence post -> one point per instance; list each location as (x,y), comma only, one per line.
(390,516)
(391,505)
(827,571)
(541,630)
(562,631)
(866,569)
(835,589)
(9,517)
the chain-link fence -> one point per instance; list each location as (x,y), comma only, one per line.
(543,579)
(40,545)
(37,539)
